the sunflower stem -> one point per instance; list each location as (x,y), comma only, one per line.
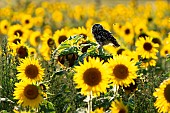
(90,103)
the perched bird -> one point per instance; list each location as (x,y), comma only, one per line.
(102,36)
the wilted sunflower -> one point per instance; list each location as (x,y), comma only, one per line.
(92,75)
(162,97)
(146,48)
(30,70)
(28,94)
(118,107)
(123,70)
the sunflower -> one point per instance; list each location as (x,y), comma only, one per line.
(48,44)
(67,60)
(20,50)
(18,29)
(165,50)
(156,37)
(162,97)
(117,28)
(127,33)
(140,28)
(40,11)
(81,31)
(123,70)
(30,70)
(35,38)
(148,62)
(33,52)
(60,36)
(47,30)
(91,76)
(4,26)
(98,110)
(16,39)
(28,94)
(38,21)
(57,16)
(89,23)
(27,21)
(146,48)
(118,107)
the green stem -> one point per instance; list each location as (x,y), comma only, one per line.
(90,103)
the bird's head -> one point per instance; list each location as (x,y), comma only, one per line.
(96,28)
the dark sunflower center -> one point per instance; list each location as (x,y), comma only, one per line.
(156,41)
(143,35)
(32,53)
(27,21)
(5,26)
(150,19)
(37,39)
(31,71)
(127,31)
(122,111)
(147,46)
(62,39)
(50,42)
(22,52)
(121,71)
(120,51)
(16,41)
(140,29)
(31,92)
(71,58)
(92,76)
(18,32)
(167,93)
(166,51)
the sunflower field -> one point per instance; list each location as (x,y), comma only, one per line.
(84,56)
